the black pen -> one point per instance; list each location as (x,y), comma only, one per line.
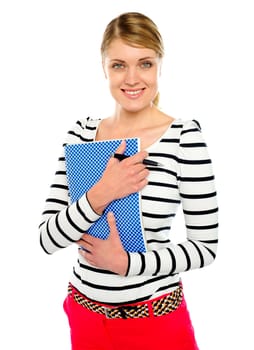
(145,161)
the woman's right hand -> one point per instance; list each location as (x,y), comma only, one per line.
(119,179)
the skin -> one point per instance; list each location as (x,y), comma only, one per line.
(132,73)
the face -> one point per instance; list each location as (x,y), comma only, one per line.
(133,75)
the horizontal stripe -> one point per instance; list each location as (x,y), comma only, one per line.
(157,270)
(200,212)
(189,131)
(118,288)
(46,212)
(159,169)
(210,241)
(90,128)
(81,138)
(63,187)
(158,199)
(204,227)
(195,179)
(172,285)
(161,184)
(163,155)
(176,126)
(60,172)
(55,200)
(193,145)
(194,161)
(158,216)
(150,241)
(198,196)
(158,229)
(170,140)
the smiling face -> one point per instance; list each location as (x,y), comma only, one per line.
(133,75)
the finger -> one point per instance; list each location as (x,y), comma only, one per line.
(85,240)
(138,157)
(140,168)
(143,174)
(85,254)
(121,148)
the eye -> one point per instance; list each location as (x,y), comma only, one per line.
(117,65)
(146,64)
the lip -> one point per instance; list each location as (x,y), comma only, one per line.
(133,93)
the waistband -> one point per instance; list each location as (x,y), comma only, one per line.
(157,307)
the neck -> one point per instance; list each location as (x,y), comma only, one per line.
(142,117)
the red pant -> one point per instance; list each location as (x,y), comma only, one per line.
(90,330)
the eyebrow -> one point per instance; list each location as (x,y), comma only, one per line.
(140,59)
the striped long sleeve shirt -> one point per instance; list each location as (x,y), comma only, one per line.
(185,180)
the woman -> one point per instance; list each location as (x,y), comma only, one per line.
(117,299)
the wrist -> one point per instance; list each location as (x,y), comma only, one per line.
(98,198)
(123,264)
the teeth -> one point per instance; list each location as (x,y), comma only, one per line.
(133,92)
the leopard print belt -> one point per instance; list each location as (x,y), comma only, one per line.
(158,307)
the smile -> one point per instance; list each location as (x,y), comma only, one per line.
(133,93)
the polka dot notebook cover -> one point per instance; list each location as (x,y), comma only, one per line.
(85,163)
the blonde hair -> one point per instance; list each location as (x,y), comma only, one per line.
(135,29)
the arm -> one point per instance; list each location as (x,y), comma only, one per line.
(64,223)
(199,204)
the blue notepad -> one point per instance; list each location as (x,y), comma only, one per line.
(85,163)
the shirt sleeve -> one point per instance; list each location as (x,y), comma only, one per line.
(198,195)
(63,223)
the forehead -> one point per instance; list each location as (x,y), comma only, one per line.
(119,50)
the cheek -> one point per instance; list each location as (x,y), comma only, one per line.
(151,78)
(152,82)
(114,88)
(115,81)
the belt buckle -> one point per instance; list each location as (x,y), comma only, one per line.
(107,312)
(118,312)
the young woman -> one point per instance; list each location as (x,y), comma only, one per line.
(118,299)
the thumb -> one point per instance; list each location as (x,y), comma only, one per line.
(112,225)
(111,221)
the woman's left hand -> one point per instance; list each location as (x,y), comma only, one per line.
(107,254)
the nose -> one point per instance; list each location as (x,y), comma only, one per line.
(132,76)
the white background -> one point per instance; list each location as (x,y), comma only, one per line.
(50,76)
